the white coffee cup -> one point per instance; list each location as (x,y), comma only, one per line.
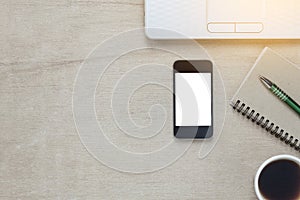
(260,169)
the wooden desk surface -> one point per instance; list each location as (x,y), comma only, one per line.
(41,156)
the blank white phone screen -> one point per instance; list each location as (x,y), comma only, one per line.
(193,99)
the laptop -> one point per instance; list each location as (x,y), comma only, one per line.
(222,19)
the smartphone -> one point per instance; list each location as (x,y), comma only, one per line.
(193,99)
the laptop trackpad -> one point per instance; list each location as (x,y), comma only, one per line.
(231,16)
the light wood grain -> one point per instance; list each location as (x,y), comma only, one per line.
(43,44)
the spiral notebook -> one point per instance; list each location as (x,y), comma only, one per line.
(260,106)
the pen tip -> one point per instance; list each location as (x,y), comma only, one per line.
(261,77)
(265,81)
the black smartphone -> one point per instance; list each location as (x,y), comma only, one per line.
(193,99)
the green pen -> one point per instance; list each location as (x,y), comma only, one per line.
(280,94)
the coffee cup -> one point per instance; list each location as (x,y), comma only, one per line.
(278,178)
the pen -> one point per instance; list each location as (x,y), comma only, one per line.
(280,94)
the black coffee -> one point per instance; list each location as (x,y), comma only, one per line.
(280,180)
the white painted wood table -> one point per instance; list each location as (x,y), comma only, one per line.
(43,44)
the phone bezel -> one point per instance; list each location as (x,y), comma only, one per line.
(192,66)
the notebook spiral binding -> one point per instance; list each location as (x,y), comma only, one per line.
(270,127)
